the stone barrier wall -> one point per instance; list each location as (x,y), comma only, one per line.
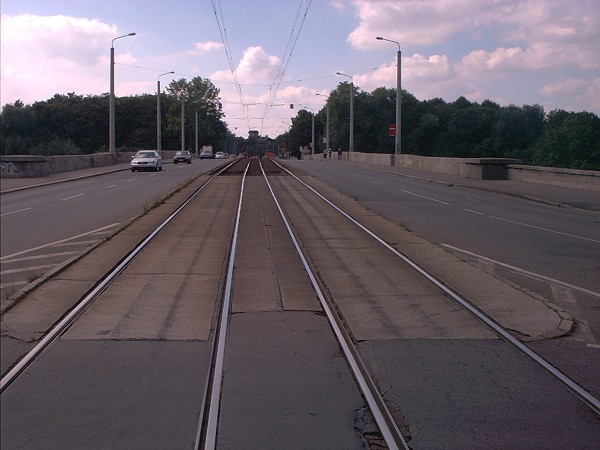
(570,178)
(487,169)
(26,166)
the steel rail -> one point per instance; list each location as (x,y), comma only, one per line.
(206,436)
(585,396)
(63,323)
(382,415)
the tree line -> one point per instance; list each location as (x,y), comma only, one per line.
(75,124)
(452,129)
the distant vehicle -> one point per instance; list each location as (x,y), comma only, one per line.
(206,154)
(220,155)
(182,156)
(146,160)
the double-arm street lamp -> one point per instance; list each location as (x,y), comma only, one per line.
(398,146)
(111,110)
(351,143)
(158,127)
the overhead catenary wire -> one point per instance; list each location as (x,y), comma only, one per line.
(225,40)
(285,60)
(298,24)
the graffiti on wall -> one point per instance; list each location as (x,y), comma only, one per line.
(8,168)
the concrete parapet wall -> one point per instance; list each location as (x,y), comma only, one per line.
(27,166)
(487,169)
(478,168)
(570,178)
(381,159)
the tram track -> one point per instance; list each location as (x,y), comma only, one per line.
(336,303)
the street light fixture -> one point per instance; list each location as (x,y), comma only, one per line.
(326,123)
(182,121)
(158,127)
(111,109)
(398,143)
(351,143)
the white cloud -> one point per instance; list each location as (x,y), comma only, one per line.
(416,70)
(206,47)
(256,66)
(565,30)
(571,86)
(45,55)
(411,21)
(537,57)
(59,38)
(580,91)
(338,4)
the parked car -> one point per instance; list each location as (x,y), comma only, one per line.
(182,156)
(219,155)
(206,154)
(146,160)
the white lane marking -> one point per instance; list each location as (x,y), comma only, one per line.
(374,182)
(547,229)
(130,181)
(72,197)
(27,269)
(111,186)
(14,212)
(594,345)
(526,272)
(31,258)
(426,198)
(58,242)
(474,212)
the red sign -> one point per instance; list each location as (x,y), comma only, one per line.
(392,130)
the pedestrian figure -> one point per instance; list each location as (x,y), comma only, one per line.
(340,153)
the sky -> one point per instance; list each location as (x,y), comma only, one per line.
(265,55)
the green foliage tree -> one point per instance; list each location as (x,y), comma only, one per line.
(202,96)
(569,140)
(18,124)
(300,134)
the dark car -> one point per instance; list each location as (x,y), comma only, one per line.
(182,157)
(206,154)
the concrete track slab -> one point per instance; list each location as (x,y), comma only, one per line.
(286,385)
(528,316)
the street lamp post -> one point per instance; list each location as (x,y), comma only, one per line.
(182,123)
(197,131)
(351,143)
(111,109)
(326,123)
(398,146)
(158,127)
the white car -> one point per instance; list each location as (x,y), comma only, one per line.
(146,160)
(220,155)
